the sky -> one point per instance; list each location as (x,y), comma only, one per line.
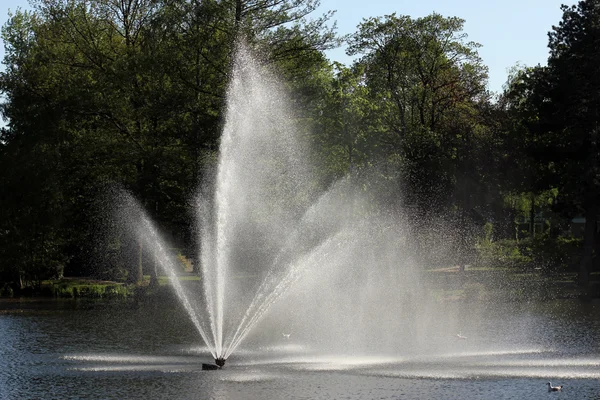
(510,31)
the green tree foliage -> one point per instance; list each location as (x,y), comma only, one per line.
(31,243)
(426,80)
(131,93)
(558,109)
(427,83)
(104,92)
(348,122)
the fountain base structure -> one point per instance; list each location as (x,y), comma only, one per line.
(220,362)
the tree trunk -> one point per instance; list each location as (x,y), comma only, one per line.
(238,14)
(137,274)
(585,266)
(532,216)
(154,274)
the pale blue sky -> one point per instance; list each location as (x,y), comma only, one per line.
(510,31)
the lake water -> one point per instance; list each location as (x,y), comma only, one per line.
(83,350)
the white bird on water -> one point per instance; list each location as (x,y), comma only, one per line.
(554,388)
(460,336)
(286,335)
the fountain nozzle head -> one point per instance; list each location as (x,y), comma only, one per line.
(220,361)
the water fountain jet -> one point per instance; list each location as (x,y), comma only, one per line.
(265,230)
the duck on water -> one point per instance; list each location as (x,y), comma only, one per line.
(554,388)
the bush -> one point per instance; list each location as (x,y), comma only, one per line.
(91,291)
(504,253)
(184,262)
(64,291)
(6,291)
(473,291)
(115,291)
(556,253)
(544,251)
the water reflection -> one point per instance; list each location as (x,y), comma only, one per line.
(68,350)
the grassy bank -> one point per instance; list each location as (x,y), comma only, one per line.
(90,288)
(507,284)
(443,284)
(86,288)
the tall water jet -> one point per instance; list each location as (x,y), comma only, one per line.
(264,226)
(261,188)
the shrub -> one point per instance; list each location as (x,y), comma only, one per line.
(504,253)
(91,291)
(556,253)
(6,291)
(115,291)
(64,291)
(473,291)
(184,262)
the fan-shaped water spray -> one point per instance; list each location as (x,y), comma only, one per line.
(262,224)
(329,263)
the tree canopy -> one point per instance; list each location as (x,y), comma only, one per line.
(100,94)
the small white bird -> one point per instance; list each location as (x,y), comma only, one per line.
(460,336)
(554,388)
(286,335)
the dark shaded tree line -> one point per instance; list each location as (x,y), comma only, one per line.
(131,92)
(555,112)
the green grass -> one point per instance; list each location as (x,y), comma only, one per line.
(165,280)
(85,288)
(502,284)
(472,284)
(72,288)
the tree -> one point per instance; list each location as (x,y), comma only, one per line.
(130,93)
(427,83)
(347,124)
(560,105)
(425,79)
(574,115)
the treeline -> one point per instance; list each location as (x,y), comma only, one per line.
(99,93)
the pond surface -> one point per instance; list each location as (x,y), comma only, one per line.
(81,350)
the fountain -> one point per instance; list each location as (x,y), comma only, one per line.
(262,223)
(320,286)
(330,265)
(323,285)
